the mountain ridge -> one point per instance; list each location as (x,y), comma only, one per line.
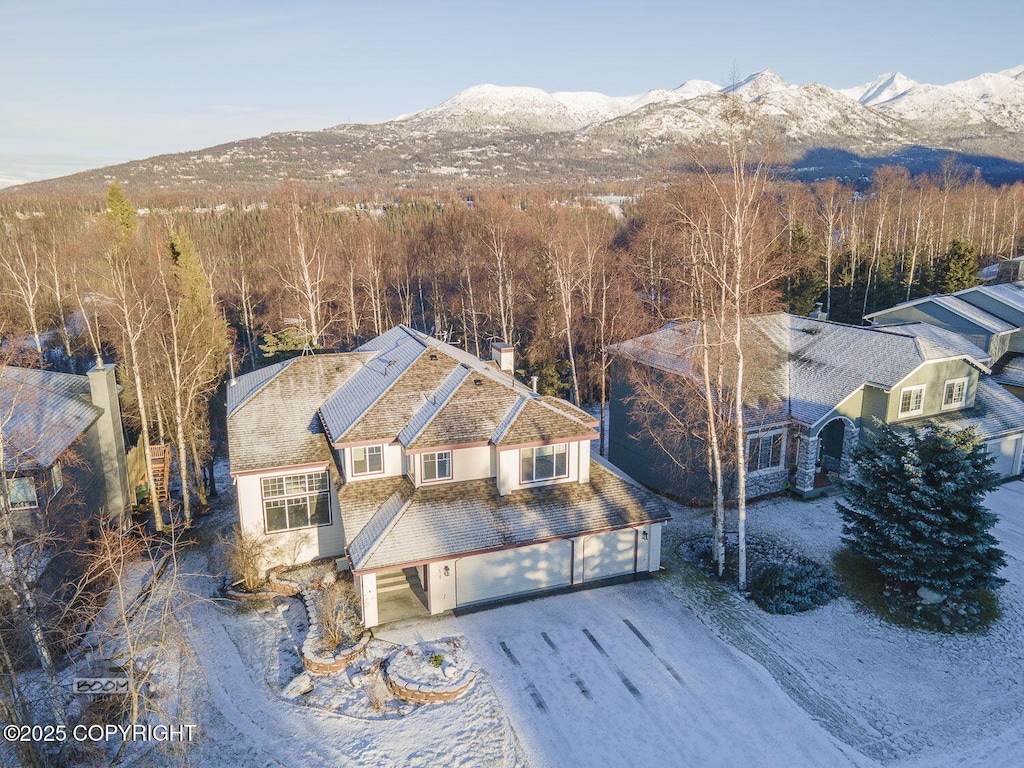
(521,134)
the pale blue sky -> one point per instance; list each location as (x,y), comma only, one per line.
(87,83)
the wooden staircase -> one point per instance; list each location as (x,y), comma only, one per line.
(160,461)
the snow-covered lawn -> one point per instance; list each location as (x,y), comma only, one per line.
(897,695)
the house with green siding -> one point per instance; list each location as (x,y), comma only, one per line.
(819,387)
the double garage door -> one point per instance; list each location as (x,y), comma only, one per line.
(536,567)
(1007,453)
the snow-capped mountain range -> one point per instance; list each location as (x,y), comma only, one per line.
(491,134)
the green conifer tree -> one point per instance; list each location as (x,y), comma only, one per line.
(915,509)
(959,268)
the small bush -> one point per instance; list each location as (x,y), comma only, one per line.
(791,588)
(339,624)
(245,554)
(436,660)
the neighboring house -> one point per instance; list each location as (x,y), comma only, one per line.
(822,384)
(415,461)
(990,315)
(45,417)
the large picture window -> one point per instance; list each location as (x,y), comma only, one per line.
(765,451)
(296,501)
(911,401)
(544,463)
(437,466)
(368,460)
(22,492)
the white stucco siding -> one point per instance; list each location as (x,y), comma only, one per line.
(288,547)
(441,586)
(392,458)
(477,463)
(1007,453)
(515,571)
(609,554)
(509,470)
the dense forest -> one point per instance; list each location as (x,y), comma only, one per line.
(170,284)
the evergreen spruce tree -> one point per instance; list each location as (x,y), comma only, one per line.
(959,268)
(916,510)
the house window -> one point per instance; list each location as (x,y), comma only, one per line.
(21,491)
(954,394)
(368,460)
(296,501)
(765,451)
(911,401)
(437,466)
(56,479)
(544,463)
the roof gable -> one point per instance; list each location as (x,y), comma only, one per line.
(41,414)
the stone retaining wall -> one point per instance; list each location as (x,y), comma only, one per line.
(318,662)
(418,692)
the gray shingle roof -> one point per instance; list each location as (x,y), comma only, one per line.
(277,424)
(458,518)
(810,365)
(1010,294)
(939,342)
(995,413)
(41,414)
(958,306)
(1010,370)
(249,383)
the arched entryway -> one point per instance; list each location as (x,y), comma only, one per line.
(836,441)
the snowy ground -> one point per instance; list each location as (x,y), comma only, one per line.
(675,670)
(899,696)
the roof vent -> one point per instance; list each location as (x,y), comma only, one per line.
(817,313)
(478,382)
(433,356)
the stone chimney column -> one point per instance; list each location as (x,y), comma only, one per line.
(110,439)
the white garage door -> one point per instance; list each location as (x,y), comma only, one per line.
(1007,453)
(513,571)
(609,554)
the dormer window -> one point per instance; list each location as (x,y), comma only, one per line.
(954,394)
(368,460)
(437,466)
(545,462)
(911,401)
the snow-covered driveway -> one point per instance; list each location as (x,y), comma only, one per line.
(627,676)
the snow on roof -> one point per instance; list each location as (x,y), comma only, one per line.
(995,413)
(957,306)
(811,365)
(278,425)
(433,522)
(41,414)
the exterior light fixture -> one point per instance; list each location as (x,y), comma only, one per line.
(644,535)
(446,570)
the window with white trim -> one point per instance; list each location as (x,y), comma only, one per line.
(765,451)
(296,501)
(437,466)
(56,479)
(954,393)
(21,492)
(544,462)
(368,460)
(911,401)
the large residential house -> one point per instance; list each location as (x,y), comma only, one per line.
(57,430)
(819,387)
(422,467)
